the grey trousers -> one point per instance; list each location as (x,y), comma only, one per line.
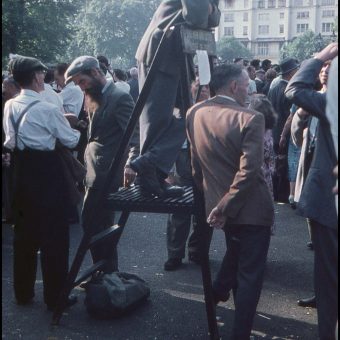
(162,133)
(178,226)
(104,219)
(325,241)
(242,270)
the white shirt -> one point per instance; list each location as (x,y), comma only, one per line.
(50,96)
(41,125)
(72,97)
(124,86)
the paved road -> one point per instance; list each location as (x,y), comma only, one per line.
(175,309)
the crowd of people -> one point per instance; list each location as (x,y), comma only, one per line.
(267,132)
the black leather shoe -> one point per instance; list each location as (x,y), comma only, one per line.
(171,190)
(148,178)
(310,302)
(218,297)
(72,299)
(194,258)
(172,264)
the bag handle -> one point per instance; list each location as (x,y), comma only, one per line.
(17,123)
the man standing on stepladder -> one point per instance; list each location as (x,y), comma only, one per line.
(162,129)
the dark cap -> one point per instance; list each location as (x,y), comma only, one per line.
(288,64)
(80,64)
(24,65)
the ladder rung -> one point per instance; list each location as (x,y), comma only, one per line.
(88,272)
(103,235)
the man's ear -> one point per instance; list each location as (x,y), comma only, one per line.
(94,72)
(233,86)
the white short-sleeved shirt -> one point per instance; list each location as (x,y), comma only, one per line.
(72,97)
(41,125)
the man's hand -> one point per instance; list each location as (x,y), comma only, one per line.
(328,53)
(129,176)
(72,119)
(303,114)
(283,142)
(216,219)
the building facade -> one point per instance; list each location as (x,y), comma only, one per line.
(263,26)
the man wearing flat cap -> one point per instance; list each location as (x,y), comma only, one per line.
(109,110)
(32,126)
(282,106)
(162,133)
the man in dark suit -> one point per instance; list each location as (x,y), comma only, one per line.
(317,200)
(162,132)
(109,111)
(226,142)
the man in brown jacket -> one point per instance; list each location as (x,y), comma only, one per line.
(227,154)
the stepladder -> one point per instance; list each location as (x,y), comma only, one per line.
(129,200)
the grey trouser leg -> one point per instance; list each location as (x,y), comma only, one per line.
(325,240)
(243,269)
(162,133)
(178,227)
(104,219)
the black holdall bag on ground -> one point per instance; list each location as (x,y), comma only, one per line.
(113,295)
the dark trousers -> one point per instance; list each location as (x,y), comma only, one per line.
(162,133)
(325,241)
(178,226)
(103,219)
(41,223)
(242,270)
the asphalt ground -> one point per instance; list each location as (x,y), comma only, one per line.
(175,309)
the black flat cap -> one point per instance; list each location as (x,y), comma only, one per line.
(80,64)
(25,64)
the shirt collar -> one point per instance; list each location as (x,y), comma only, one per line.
(30,93)
(227,97)
(108,83)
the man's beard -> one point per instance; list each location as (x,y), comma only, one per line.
(95,92)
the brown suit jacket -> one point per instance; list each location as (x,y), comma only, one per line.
(227,155)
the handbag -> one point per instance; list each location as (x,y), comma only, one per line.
(115,294)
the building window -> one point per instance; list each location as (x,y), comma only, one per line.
(282,29)
(260,4)
(228,17)
(228,4)
(302,15)
(329,13)
(301,28)
(282,15)
(282,3)
(328,2)
(271,3)
(246,4)
(298,3)
(263,16)
(245,30)
(263,29)
(327,27)
(229,31)
(263,49)
(245,16)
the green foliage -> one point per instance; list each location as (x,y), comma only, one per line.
(230,48)
(304,46)
(112,28)
(37,28)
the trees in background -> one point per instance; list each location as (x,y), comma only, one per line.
(230,48)
(38,28)
(304,46)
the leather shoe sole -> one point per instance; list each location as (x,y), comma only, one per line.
(310,302)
